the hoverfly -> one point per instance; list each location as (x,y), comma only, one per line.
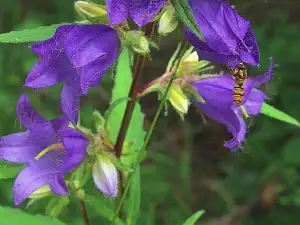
(239,76)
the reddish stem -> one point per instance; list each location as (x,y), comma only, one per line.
(84,212)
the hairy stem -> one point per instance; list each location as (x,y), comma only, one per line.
(139,66)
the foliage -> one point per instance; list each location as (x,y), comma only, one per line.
(186,168)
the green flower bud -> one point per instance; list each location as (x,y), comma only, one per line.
(90,11)
(168,21)
(137,41)
(41,192)
(179,100)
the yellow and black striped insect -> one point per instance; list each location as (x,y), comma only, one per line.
(239,75)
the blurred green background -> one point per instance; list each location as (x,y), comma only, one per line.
(188,168)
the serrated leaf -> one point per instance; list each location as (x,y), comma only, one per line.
(10,216)
(193,219)
(103,210)
(29,35)
(185,13)
(270,111)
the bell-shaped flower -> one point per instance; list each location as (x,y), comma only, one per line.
(228,37)
(79,55)
(218,95)
(105,175)
(49,148)
(141,11)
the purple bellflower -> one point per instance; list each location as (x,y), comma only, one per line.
(228,37)
(141,11)
(218,94)
(49,148)
(79,55)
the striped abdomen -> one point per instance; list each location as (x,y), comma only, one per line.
(238,91)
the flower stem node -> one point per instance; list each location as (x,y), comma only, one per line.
(137,41)
(168,21)
(90,11)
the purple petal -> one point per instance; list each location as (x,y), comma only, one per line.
(75,144)
(233,121)
(50,70)
(105,176)
(248,49)
(90,75)
(70,99)
(210,16)
(206,53)
(58,185)
(27,115)
(88,43)
(260,80)
(56,43)
(254,102)
(212,88)
(143,11)
(35,176)
(19,147)
(117,10)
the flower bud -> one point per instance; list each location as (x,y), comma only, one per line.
(168,21)
(41,192)
(105,175)
(179,100)
(137,41)
(89,10)
(190,64)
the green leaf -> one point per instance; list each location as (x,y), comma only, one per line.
(56,205)
(135,133)
(184,11)
(16,216)
(134,199)
(277,114)
(193,219)
(102,209)
(8,170)
(29,35)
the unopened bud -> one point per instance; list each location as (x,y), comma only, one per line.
(168,21)
(190,64)
(137,41)
(179,100)
(89,10)
(41,192)
(105,175)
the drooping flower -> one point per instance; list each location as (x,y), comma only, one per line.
(218,95)
(141,11)
(228,37)
(49,148)
(79,55)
